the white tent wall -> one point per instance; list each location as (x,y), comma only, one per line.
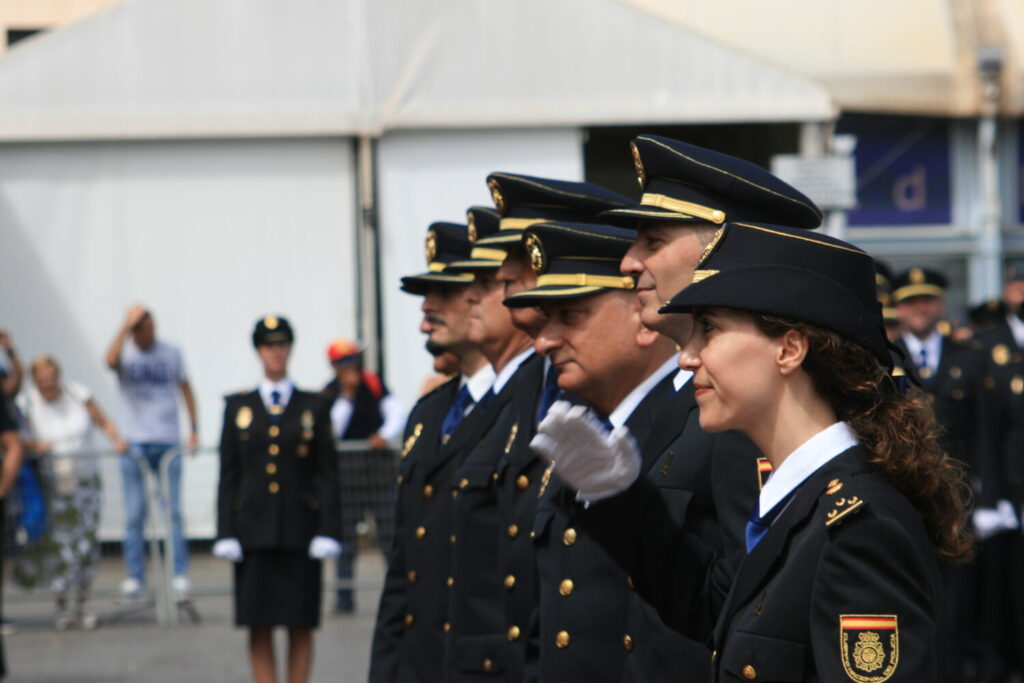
(210,235)
(433,176)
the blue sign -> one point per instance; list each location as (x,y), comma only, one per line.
(903,170)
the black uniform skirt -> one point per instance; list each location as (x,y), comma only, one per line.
(277,588)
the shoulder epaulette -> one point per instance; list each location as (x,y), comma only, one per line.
(839,502)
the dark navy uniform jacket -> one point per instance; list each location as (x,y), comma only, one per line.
(845,585)
(278,477)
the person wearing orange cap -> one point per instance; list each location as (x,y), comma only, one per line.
(362,408)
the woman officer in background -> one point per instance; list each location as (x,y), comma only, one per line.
(840,581)
(278,506)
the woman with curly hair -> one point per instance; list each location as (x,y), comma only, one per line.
(841,577)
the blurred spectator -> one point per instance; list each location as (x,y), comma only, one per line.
(150,373)
(10,366)
(361,408)
(60,418)
(12,452)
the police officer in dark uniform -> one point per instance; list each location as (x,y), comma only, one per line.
(12,453)
(840,576)
(498,482)
(277,505)
(412,620)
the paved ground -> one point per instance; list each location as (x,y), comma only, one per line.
(134,648)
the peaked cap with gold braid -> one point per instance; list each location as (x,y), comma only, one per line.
(445,243)
(483,223)
(683,183)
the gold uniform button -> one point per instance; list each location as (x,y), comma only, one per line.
(399,479)
(513,530)
(714,656)
(446,627)
(455,493)
(513,634)
(463,483)
(565,588)
(749,672)
(629,583)
(271,468)
(409,619)
(488,665)
(451,539)
(274,449)
(411,576)
(522,482)
(450,581)
(274,487)
(562,639)
(274,431)
(510,581)
(627,642)
(569,536)
(420,532)
(428,491)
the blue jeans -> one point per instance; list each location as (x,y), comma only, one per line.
(135,508)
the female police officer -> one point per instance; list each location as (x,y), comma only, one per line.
(278,505)
(840,578)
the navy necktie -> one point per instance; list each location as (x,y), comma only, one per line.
(275,397)
(456,412)
(549,393)
(606,423)
(758,526)
(275,404)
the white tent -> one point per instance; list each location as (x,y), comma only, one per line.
(199,155)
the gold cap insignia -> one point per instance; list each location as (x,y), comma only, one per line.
(499,201)
(243,418)
(1001,354)
(833,487)
(431,246)
(270,322)
(307,419)
(535,252)
(869,646)
(916,276)
(638,164)
(471,227)
(1017,385)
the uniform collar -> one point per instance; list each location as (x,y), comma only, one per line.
(1016,328)
(805,461)
(510,368)
(626,407)
(285,386)
(479,382)
(681,378)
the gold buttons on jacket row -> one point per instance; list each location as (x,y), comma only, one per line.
(569,536)
(409,619)
(488,665)
(411,575)
(446,627)
(428,491)
(510,581)
(450,581)
(274,431)
(629,583)
(513,634)
(274,449)
(463,483)
(421,532)
(562,639)
(627,642)
(749,672)
(522,482)
(513,530)
(451,539)
(274,487)
(565,588)
(271,468)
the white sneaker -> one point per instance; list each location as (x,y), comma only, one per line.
(181,586)
(131,588)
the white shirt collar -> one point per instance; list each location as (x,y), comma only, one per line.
(510,368)
(932,345)
(285,386)
(805,461)
(479,382)
(1016,328)
(633,398)
(681,378)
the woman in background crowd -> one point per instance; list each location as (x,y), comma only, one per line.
(60,419)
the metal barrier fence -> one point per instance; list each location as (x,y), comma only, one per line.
(367,479)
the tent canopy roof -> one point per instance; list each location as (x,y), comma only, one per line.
(199,68)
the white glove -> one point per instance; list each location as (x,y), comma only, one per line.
(991,521)
(597,464)
(228,549)
(324,547)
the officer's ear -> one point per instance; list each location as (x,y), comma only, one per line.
(645,338)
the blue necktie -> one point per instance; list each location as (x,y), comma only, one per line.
(549,393)
(758,526)
(456,412)
(606,423)
(275,405)
(923,362)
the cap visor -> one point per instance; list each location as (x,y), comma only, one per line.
(419,284)
(646,213)
(507,236)
(471,265)
(532,297)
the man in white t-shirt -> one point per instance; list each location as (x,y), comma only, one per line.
(150,373)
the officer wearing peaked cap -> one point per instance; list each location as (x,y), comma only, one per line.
(277,503)
(412,620)
(588,622)
(840,578)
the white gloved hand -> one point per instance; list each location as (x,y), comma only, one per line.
(991,521)
(324,547)
(228,549)
(596,464)
(1009,517)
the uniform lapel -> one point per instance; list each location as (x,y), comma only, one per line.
(669,425)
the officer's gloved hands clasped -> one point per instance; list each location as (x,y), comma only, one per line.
(990,521)
(594,462)
(324,547)
(228,549)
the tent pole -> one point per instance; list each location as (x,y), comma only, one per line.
(368,303)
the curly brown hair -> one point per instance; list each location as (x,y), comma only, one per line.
(898,428)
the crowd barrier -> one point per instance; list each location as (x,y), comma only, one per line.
(367,481)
